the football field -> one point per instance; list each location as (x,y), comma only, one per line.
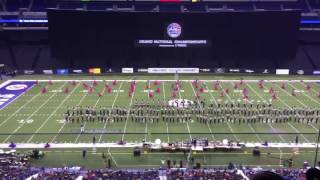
(37,117)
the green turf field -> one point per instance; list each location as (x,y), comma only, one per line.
(36,117)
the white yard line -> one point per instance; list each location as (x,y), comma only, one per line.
(314,127)
(305,94)
(98,100)
(201,110)
(254,131)
(255,92)
(164,101)
(45,122)
(34,112)
(82,98)
(187,121)
(146,128)
(290,95)
(284,104)
(113,103)
(128,113)
(295,129)
(235,136)
(113,159)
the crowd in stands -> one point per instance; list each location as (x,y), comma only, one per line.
(6,71)
(15,166)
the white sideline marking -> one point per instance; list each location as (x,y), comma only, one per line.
(105,124)
(31,115)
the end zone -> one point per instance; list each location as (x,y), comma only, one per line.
(11,90)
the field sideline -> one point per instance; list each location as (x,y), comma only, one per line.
(36,117)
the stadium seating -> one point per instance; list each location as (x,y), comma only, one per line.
(41,5)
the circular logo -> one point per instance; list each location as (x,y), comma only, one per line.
(174,30)
(180,103)
(16,87)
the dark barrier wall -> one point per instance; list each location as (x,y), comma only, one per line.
(241,38)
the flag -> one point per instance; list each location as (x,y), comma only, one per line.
(151,95)
(245,91)
(158,90)
(95,83)
(85,85)
(66,90)
(90,90)
(227,90)
(44,90)
(204,85)
(235,85)
(201,90)
(114,82)
(271,90)
(109,90)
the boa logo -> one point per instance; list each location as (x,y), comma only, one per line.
(180,103)
(16,87)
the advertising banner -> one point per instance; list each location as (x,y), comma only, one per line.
(62,71)
(173,70)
